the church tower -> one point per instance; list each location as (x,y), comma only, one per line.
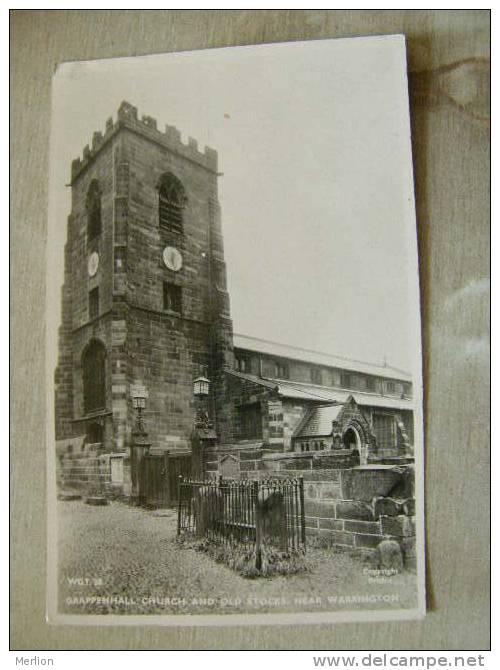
(144,300)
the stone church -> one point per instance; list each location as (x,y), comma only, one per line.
(145,306)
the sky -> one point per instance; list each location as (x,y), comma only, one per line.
(317,187)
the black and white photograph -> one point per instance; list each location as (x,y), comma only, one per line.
(234,361)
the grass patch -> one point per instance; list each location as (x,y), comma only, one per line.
(245,561)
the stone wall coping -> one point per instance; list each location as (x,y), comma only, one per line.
(241,446)
(380,466)
(305,454)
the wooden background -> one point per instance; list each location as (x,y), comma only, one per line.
(449,81)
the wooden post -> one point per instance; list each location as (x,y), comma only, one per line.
(258,526)
(167,498)
(302,511)
(179,505)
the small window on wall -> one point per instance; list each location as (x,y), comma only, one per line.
(335,378)
(384,427)
(316,376)
(371,384)
(93,207)
(361,382)
(172,298)
(346,380)
(390,387)
(243,363)
(282,370)
(94,304)
(171,203)
(250,422)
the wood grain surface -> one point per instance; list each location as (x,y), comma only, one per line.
(449,82)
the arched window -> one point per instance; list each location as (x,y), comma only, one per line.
(93,206)
(171,202)
(94,368)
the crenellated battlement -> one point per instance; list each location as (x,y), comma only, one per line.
(146,126)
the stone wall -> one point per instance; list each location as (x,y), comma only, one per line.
(339,512)
(87,470)
(352,508)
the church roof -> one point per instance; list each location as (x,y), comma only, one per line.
(302,391)
(319,421)
(309,356)
(323,394)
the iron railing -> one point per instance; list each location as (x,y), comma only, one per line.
(244,512)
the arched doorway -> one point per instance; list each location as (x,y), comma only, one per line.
(94,377)
(351,439)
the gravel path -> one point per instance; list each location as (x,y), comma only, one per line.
(124,560)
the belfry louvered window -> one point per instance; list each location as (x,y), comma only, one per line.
(93,206)
(171,203)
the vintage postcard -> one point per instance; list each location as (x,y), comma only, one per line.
(235,428)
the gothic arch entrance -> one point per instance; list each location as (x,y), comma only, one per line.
(351,439)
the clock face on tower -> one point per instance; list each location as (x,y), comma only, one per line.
(93,263)
(172,258)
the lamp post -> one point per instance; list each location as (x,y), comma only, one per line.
(201,389)
(140,443)
(203,433)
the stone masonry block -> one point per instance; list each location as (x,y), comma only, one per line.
(336,537)
(322,476)
(409,507)
(371,527)
(321,461)
(401,526)
(332,524)
(368,484)
(319,509)
(295,464)
(311,522)
(311,491)
(353,509)
(386,507)
(267,465)
(330,490)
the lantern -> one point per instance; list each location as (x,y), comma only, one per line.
(201,387)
